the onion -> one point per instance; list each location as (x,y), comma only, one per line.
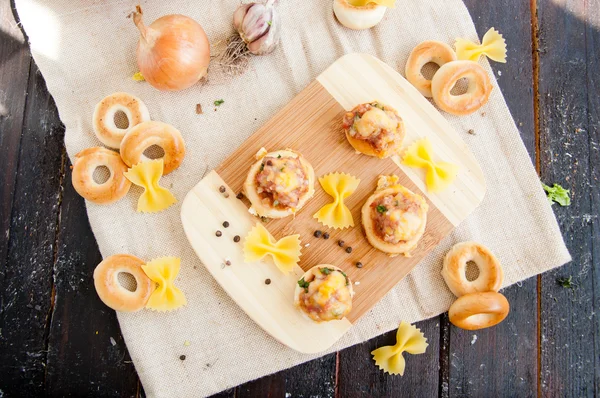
(173,52)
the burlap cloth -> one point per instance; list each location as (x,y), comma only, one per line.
(86,50)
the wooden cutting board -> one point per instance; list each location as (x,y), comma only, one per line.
(311,124)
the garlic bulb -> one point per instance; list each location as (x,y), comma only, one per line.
(358,17)
(259,26)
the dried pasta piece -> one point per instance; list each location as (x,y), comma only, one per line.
(362,3)
(408,339)
(147,174)
(336,214)
(166,296)
(492,46)
(439,175)
(260,243)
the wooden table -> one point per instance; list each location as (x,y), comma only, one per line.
(57,338)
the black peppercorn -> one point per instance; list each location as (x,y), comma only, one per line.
(222,189)
(236,238)
(239,195)
(226,224)
(340,243)
(348,249)
(359,264)
(218,233)
(182,357)
(227,262)
(318,234)
(267,281)
(269,163)
(326,235)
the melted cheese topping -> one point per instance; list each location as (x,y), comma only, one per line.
(408,224)
(374,120)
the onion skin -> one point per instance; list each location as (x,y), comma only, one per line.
(173,52)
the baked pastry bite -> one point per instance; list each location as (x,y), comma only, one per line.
(374,129)
(324,293)
(394,217)
(279,183)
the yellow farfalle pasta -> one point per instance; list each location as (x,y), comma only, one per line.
(362,3)
(260,243)
(492,46)
(166,296)
(438,175)
(147,174)
(336,214)
(408,339)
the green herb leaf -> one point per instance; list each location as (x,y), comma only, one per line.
(377,105)
(326,271)
(303,284)
(381,209)
(262,167)
(278,156)
(270,23)
(557,194)
(346,276)
(567,283)
(283,168)
(219,102)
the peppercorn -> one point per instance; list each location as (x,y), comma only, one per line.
(318,234)
(236,238)
(348,249)
(218,233)
(267,281)
(340,243)
(226,224)
(227,262)
(326,235)
(222,189)
(240,196)
(182,357)
(269,163)
(359,264)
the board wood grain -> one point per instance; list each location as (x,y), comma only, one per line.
(311,124)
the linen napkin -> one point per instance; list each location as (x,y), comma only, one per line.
(86,50)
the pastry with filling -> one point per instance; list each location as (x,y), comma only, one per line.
(374,129)
(279,183)
(324,293)
(394,217)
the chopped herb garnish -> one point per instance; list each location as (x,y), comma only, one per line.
(270,23)
(356,118)
(381,209)
(283,168)
(346,276)
(219,102)
(326,271)
(557,194)
(567,283)
(397,203)
(275,203)
(377,105)
(303,284)
(278,156)
(262,167)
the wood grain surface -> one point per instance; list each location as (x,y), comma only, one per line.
(547,348)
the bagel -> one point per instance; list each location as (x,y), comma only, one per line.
(146,134)
(429,51)
(478,91)
(374,129)
(115,295)
(82,178)
(476,311)
(103,120)
(394,218)
(490,276)
(324,293)
(358,18)
(279,184)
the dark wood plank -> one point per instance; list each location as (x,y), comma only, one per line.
(569,42)
(311,379)
(86,352)
(26,286)
(14,75)
(502,361)
(359,377)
